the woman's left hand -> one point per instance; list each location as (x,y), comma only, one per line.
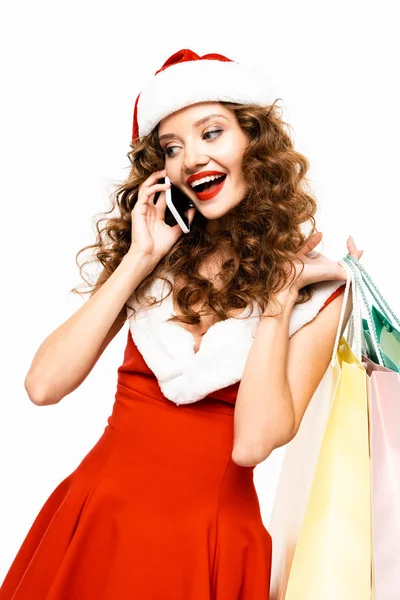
(319,268)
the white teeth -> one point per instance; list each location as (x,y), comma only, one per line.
(205,179)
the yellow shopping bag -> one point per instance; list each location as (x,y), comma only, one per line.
(333,555)
(297,473)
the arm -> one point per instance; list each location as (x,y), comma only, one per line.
(67,355)
(280,378)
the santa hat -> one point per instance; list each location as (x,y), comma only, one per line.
(186,78)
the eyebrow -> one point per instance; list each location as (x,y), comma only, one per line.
(166,136)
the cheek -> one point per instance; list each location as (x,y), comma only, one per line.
(230,155)
(235,168)
(172,170)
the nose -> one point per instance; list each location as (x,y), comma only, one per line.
(193,158)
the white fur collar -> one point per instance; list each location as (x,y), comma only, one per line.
(167,348)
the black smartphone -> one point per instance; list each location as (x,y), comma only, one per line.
(177,204)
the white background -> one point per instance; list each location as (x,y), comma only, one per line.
(70,74)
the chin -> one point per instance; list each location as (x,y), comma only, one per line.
(214,212)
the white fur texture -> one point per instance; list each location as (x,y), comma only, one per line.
(168,349)
(195,81)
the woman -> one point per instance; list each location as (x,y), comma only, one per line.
(216,368)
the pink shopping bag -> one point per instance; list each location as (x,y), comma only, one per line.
(385,477)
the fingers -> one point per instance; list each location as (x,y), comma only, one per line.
(152,180)
(161,203)
(352,248)
(351,245)
(150,186)
(311,242)
(154,177)
(157,187)
(146,195)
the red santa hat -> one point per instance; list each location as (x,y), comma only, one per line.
(187,78)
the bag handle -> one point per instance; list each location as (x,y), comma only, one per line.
(355,323)
(355,333)
(374,291)
(359,282)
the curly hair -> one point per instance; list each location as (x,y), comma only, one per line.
(260,237)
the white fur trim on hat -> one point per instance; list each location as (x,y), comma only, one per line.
(195,81)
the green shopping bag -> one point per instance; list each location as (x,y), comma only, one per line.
(383,321)
(388,338)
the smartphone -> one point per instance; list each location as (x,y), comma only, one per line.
(177,204)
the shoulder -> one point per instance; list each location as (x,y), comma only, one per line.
(323,293)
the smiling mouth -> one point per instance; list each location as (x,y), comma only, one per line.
(206,191)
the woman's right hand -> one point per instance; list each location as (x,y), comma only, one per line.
(151,236)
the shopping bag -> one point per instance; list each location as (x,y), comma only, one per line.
(381,328)
(385,472)
(333,554)
(384,396)
(297,473)
(371,353)
(295,481)
(388,337)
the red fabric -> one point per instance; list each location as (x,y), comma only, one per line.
(135,128)
(186,55)
(156,510)
(332,296)
(180,56)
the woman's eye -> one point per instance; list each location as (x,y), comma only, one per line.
(168,152)
(219,131)
(169,148)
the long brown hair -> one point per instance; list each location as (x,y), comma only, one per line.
(260,237)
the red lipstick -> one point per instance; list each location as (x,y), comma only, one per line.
(209,194)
